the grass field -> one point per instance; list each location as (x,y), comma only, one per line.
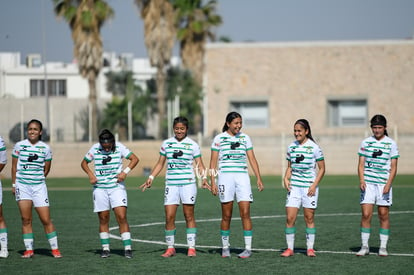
(337,238)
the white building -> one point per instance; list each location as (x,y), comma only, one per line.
(22,93)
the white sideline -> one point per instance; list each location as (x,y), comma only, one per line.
(258,249)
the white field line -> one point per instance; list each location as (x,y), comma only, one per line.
(258,249)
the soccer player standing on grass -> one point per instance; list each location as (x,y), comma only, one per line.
(377,168)
(31,162)
(301,181)
(109,190)
(231,149)
(180,183)
(4,253)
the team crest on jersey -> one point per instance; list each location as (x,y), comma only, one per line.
(309,149)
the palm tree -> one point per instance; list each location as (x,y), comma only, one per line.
(195,22)
(85,18)
(159,31)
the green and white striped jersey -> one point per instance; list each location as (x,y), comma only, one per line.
(378,155)
(232,152)
(180,156)
(107,164)
(303,158)
(31,161)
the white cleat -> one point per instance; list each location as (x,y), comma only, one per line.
(4,253)
(383,252)
(364,251)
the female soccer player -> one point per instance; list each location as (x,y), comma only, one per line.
(231,149)
(377,168)
(301,181)
(31,162)
(109,187)
(179,152)
(4,253)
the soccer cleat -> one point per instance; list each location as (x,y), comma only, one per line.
(383,252)
(287,253)
(28,254)
(225,253)
(56,253)
(245,254)
(105,253)
(191,252)
(4,253)
(310,253)
(169,252)
(128,253)
(364,251)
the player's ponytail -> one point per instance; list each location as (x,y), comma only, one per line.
(379,120)
(229,118)
(305,124)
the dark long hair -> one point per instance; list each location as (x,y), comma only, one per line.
(107,137)
(305,124)
(229,118)
(38,122)
(379,120)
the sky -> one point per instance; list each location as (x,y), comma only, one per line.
(30,26)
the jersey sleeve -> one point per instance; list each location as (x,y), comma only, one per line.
(196,151)
(215,146)
(394,151)
(3,154)
(249,143)
(90,156)
(125,152)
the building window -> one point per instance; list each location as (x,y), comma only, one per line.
(347,113)
(56,87)
(255,114)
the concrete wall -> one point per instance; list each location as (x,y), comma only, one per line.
(298,79)
(340,155)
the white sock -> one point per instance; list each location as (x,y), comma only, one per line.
(170,238)
(225,238)
(52,238)
(191,237)
(126,240)
(3,238)
(248,236)
(104,237)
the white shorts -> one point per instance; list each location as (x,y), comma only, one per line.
(373,195)
(107,199)
(187,194)
(36,193)
(298,196)
(231,184)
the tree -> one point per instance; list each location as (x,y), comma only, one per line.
(194,23)
(181,83)
(85,19)
(121,85)
(160,32)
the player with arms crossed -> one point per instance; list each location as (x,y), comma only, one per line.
(179,152)
(109,190)
(31,162)
(301,181)
(377,168)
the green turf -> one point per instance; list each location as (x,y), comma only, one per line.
(337,221)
